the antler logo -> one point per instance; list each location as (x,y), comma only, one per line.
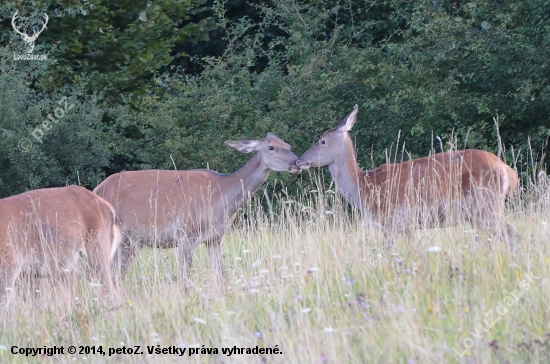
(30,40)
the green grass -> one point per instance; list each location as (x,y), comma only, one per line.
(324,287)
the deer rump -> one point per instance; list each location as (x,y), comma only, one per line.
(45,233)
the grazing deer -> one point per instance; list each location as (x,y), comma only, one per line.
(45,232)
(30,40)
(168,208)
(440,188)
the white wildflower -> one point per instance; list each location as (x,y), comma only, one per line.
(433,249)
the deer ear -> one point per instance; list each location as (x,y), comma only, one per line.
(243,146)
(347,123)
(271,135)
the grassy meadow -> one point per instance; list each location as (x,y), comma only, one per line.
(317,283)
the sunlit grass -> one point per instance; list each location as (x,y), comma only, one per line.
(324,287)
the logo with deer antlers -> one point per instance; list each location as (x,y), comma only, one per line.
(30,40)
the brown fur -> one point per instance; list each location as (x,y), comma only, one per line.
(44,232)
(439,188)
(163,208)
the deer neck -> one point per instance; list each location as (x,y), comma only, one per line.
(348,175)
(244,182)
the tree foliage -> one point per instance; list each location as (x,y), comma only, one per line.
(117,46)
(426,75)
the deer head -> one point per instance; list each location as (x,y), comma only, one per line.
(30,40)
(333,144)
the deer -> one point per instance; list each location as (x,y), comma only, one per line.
(183,209)
(30,40)
(434,190)
(55,234)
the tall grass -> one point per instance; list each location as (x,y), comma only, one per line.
(313,278)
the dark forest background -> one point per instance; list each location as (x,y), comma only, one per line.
(161,83)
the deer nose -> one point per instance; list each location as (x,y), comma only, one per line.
(293,168)
(300,163)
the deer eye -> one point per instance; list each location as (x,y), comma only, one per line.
(323,142)
(271,147)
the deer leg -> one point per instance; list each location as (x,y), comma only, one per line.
(63,287)
(511,231)
(10,272)
(185,253)
(380,226)
(124,257)
(40,288)
(108,287)
(485,203)
(99,272)
(485,212)
(215,254)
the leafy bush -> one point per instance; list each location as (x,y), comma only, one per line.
(426,76)
(37,152)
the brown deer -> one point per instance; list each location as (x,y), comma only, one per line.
(45,232)
(440,188)
(169,208)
